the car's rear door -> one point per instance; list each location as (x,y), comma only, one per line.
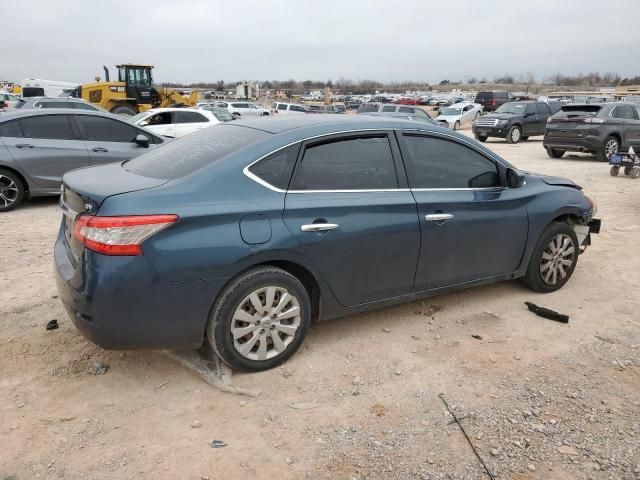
(472,227)
(46,146)
(353,216)
(543,114)
(187,121)
(109,140)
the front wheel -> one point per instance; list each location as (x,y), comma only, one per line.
(11,190)
(613,171)
(611,145)
(628,170)
(260,319)
(553,259)
(481,138)
(635,172)
(514,134)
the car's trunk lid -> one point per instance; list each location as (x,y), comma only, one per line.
(84,190)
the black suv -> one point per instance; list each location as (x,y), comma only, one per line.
(490,101)
(515,121)
(599,129)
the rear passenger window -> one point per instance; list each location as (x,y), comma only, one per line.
(405,110)
(354,163)
(54,127)
(11,129)
(189,117)
(276,169)
(437,163)
(624,111)
(282,106)
(101,129)
(542,109)
(389,108)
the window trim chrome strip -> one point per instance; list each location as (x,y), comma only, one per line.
(273,188)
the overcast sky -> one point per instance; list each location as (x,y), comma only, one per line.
(210,40)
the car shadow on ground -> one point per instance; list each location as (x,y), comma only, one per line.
(38,202)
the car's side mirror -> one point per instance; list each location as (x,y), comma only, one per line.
(142,140)
(514,178)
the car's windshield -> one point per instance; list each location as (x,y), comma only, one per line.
(512,107)
(182,157)
(450,111)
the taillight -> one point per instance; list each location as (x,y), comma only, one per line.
(119,235)
(593,120)
(492,102)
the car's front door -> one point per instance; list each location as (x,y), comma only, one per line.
(109,140)
(161,123)
(352,218)
(624,116)
(530,120)
(472,227)
(46,147)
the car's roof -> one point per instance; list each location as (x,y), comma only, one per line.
(55,99)
(16,114)
(337,123)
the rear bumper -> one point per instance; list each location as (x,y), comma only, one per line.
(584,144)
(120,303)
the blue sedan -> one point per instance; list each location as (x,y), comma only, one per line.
(242,234)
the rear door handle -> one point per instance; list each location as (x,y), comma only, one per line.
(24,145)
(318,227)
(99,149)
(438,217)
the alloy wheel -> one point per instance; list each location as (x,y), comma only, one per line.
(8,191)
(265,323)
(557,259)
(515,135)
(611,147)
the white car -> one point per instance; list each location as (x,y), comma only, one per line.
(243,109)
(8,100)
(458,114)
(286,108)
(174,122)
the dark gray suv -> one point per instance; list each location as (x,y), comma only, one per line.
(599,129)
(38,146)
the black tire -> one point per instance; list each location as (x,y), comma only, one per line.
(525,137)
(124,110)
(613,171)
(627,170)
(481,139)
(11,190)
(514,134)
(635,173)
(534,278)
(456,126)
(219,328)
(553,153)
(602,154)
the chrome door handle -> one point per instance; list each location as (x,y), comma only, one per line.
(318,227)
(438,217)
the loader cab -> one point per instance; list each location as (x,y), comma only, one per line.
(138,83)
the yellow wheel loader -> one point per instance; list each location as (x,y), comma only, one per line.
(134,92)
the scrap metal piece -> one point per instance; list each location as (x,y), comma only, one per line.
(546,313)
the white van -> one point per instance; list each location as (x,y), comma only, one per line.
(37,87)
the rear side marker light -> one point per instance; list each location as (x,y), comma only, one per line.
(119,235)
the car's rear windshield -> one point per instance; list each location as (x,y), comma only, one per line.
(368,107)
(182,157)
(484,95)
(569,111)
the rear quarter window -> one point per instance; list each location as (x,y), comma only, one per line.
(368,108)
(197,150)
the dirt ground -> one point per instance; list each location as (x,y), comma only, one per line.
(360,400)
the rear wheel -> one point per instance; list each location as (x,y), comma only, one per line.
(260,319)
(11,190)
(514,134)
(553,259)
(610,146)
(481,138)
(456,126)
(628,170)
(613,171)
(124,110)
(553,153)
(635,172)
